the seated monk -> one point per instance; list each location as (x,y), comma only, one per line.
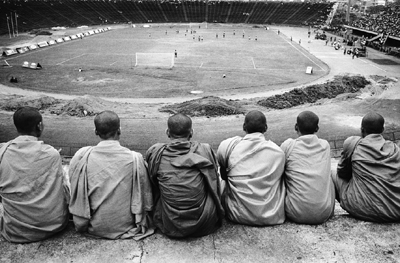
(110,189)
(310,193)
(367,181)
(33,188)
(252,167)
(185,183)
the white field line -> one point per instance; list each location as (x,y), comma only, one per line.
(254,64)
(303,54)
(322,52)
(377,67)
(372,64)
(181,65)
(113,63)
(189,56)
(237,68)
(71,59)
(264,69)
(121,54)
(334,57)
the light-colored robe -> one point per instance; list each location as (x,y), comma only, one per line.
(110,192)
(185,182)
(33,190)
(368,178)
(310,193)
(255,192)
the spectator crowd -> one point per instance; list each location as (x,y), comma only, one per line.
(386,22)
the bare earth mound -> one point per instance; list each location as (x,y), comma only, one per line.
(340,85)
(310,94)
(80,107)
(14,102)
(341,88)
(207,106)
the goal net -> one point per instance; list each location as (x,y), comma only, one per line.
(165,60)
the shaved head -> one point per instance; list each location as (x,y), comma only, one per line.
(307,122)
(372,123)
(27,119)
(107,124)
(255,121)
(179,126)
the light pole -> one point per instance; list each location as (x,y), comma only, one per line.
(16,22)
(8,25)
(12,25)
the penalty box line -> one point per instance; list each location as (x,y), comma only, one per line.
(201,66)
(254,64)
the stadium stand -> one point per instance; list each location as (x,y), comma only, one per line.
(387,22)
(71,13)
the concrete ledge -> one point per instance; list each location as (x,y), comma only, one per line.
(340,239)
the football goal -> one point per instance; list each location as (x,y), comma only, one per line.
(164,60)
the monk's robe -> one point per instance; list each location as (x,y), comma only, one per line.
(368,178)
(110,192)
(185,187)
(255,192)
(310,193)
(33,190)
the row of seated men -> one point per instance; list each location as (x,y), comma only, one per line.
(115,193)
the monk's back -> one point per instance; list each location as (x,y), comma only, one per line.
(374,192)
(180,187)
(32,188)
(186,204)
(110,190)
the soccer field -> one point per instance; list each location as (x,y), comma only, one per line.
(251,58)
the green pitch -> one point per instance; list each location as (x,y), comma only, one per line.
(248,59)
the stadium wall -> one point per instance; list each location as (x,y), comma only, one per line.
(24,16)
(336,144)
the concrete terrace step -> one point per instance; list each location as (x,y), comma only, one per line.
(340,239)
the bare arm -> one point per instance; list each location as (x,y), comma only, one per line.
(344,169)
